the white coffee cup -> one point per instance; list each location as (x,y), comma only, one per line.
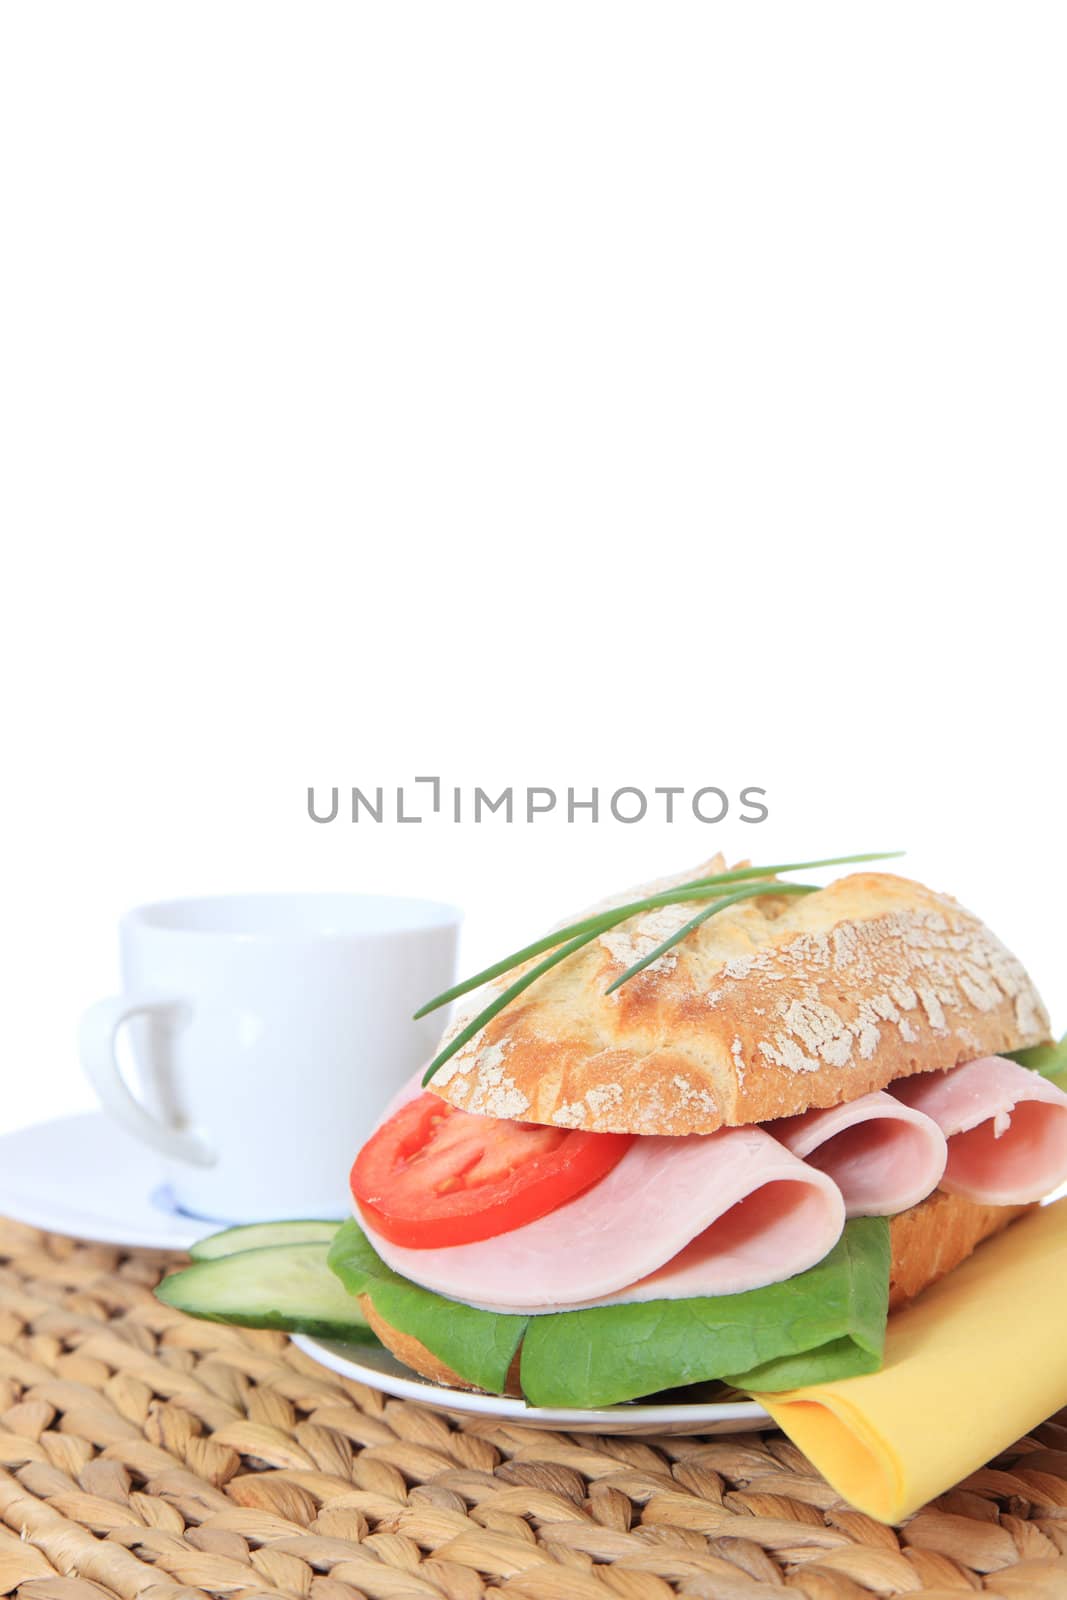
(267,1033)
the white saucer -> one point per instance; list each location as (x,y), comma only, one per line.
(84,1177)
(379,1370)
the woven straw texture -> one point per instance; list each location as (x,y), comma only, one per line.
(146,1454)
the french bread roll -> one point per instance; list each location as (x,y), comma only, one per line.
(926,1243)
(772,1007)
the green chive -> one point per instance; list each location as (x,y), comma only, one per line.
(687,928)
(737,873)
(603,920)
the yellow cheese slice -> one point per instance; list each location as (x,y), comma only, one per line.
(975,1362)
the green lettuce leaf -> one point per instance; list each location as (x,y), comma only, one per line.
(826,1322)
(1048,1059)
(478,1345)
(839,1358)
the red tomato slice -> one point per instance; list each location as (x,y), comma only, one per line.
(433,1175)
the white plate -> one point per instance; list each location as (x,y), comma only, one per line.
(84,1177)
(379,1370)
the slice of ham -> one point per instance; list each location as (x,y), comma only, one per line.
(1006,1128)
(883,1156)
(705,1214)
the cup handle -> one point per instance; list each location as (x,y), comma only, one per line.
(96,1040)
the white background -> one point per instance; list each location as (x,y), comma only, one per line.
(559,394)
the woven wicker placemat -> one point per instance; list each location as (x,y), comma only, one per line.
(146,1454)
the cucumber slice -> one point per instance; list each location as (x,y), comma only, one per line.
(287,1286)
(258,1235)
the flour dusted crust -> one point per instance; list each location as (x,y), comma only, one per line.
(926,1242)
(772,1007)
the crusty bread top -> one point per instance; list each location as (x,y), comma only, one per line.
(771,1007)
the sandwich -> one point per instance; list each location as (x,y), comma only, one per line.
(717,1140)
